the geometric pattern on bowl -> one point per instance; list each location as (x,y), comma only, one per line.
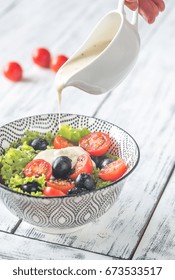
(70,212)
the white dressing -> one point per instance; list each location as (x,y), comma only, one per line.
(76,64)
(71,152)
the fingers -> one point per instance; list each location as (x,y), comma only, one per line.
(131,4)
(148,9)
(160,4)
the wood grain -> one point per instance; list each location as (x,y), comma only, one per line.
(60,32)
(158,241)
(143,105)
(17,247)
(132,106)
(8,221)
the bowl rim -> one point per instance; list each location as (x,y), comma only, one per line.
(79,194)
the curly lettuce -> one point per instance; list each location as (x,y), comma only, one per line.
(20,153)
(17,181)
(73,134)
(31,135)
(14,161)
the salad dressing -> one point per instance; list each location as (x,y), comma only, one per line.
(73,153)
(76,64)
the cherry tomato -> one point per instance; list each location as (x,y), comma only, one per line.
(62,185)
(95,143)
(113,171)
(49,191)
(57,62)
(13,71)
(83,165)
(38,167)
(61,142)
(41,57)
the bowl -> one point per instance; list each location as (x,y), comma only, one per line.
(69,213)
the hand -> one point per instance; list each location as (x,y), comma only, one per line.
(148,9)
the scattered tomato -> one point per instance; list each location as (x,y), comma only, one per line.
(113,171)
(13,71)
(41,57)
(95,143)
(62,185)
(61,142)
(57,62)
(38,167)
(83,165)
(49,191)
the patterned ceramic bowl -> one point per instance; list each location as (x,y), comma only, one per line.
(62,214)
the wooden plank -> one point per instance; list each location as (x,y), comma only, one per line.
(97,237)
(144,106)
(38,84)
(61,33)
(22,248)
(6,6)
(140,105)
(158,241)
(8,221)
(109,235)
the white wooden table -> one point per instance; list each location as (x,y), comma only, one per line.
(141,224)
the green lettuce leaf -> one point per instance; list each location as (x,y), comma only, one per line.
(31,135)
(73,134)
(17,180)
(14,161)
(99,182)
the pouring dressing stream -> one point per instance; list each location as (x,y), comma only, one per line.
(105,58)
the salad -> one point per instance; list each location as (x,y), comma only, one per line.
(71,162)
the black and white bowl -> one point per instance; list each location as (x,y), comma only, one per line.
(64,214)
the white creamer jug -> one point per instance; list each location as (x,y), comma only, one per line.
(106,57)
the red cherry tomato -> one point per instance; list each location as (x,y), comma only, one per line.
(41,57)
(60,142)
(83,165)
(95,143)
(38,167)
(13,71)
(113,171)
(62,185)
(49,191)
(57,62)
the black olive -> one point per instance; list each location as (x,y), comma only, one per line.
(98,160)
(39,144)
(76,190)
(61,167)
(105,162)
(30,187)
(85,181)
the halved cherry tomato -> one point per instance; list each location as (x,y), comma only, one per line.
(83,165)
(13,71)
(57,62)
(61,142)
(41,57)
(49,191)
(38,167)
(95,143)
(62,185)
(113,171)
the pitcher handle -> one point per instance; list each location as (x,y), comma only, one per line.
(134,20)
